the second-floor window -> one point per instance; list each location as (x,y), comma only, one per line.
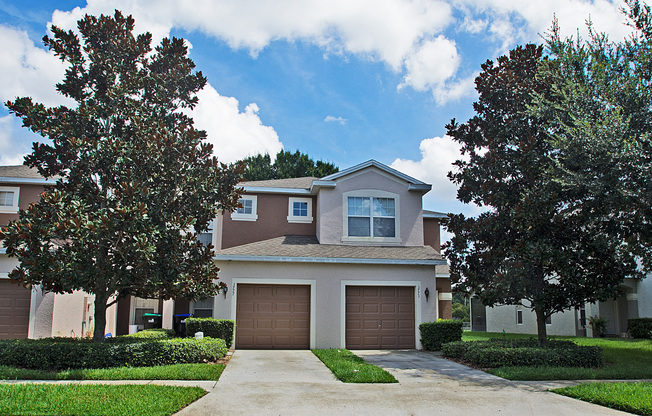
(300,210)
(206,237)
(371,217)
(8,199)
(247,209)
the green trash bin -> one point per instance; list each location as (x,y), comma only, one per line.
(153,320)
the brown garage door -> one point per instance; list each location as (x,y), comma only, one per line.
(379,317)
(273,316)
(14,310)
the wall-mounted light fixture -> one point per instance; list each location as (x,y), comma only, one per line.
(224,290)
(427,293)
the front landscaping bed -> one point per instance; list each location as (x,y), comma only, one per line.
(76,399)
(629,397)
(350,368)
(624,359)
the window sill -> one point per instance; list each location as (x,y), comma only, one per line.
(371,240)
(8,210)
(300,220)
(241,217)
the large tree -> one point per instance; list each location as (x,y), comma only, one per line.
(136,181)
(599,114)
(528,247)
(286,165)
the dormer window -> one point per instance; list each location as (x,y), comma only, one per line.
(9,199)
(371,218)
(300,210)
(247,209)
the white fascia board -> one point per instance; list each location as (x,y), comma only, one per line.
(317,185)
(27,181)
(378,165)
(265,190)
(437,215)
(342,260)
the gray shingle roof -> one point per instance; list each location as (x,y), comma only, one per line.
(19,171)
(307,248)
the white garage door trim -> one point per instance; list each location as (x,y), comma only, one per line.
(417,304)
(250,280)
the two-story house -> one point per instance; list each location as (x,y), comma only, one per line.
(348,260)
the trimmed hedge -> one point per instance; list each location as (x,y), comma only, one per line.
(60,354)
(214,328)
(640,327)
(434,334)
(154,333)
(524,352)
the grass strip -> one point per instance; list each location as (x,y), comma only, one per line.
(165,372)
(629,397)
(76,399)
(349,368)
(624,359)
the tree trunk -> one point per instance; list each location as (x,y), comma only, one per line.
(541,326)
(100,317)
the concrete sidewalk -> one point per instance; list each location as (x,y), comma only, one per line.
(297,383)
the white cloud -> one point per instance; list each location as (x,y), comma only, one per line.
(234,134)
(27,70)
(406,35)
(11,152)
(437,157)
(331,119)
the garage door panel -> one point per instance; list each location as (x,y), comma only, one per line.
(391,306)
(14,310)
(279,319)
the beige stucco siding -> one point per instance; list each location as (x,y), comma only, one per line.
(328,282)
(331,215)
(503,318)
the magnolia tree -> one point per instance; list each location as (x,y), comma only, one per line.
(135,182)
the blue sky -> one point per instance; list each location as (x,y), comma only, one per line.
(344,81)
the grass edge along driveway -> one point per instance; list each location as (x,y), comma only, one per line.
(629,397)
(349,368)
(95,399)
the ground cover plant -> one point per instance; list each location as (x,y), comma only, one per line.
(629,397)
(164,372)
(77,399)
(624,359)
(350,368)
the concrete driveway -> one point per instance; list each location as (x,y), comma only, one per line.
(297,383)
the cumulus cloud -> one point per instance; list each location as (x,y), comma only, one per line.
(408,36)
(437,157)
(12,151)
(234,134)
(331,119)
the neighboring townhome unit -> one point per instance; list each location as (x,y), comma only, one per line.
(30,313)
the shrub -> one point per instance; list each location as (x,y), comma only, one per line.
(214,328)
(154,333)
(56,354)
(640,327)
(434,334)
(524,352)
(599,325)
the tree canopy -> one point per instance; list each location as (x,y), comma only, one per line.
(136,181)
(530,247)
(286,165)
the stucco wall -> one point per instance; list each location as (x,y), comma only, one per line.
(431,233)
(328,280)
(644,297)
(331,212)
(272,211)
(501,318)
(26,195)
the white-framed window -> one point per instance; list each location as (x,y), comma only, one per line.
(206,237)
(247,209)
(203,308)
(519,315)
(371,216)
(9,199)
(300,210)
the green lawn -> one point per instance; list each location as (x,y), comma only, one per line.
(350,368)
(75,399)
(629,397)
(624,359)
(167,372)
